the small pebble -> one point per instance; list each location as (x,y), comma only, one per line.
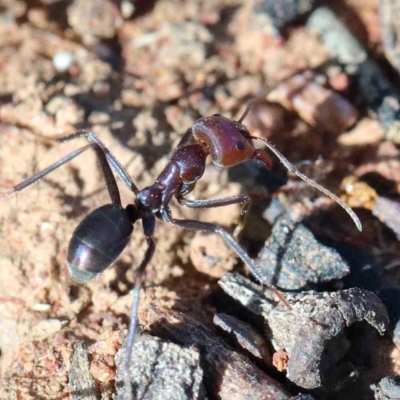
(282,12)
(62,60)
(387,389)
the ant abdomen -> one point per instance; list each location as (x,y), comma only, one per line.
(98,241)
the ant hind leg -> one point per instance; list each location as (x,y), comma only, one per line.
(148,228)
(112,160)
(108,175)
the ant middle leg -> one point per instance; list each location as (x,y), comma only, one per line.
(195,225)
(105,167)
(243,199)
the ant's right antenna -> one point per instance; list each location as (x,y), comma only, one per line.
(247,110)
(263,96)
(305,178)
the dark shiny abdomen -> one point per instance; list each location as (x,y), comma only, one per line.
(98,241)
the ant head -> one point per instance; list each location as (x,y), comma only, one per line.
(228,141)
(149,200)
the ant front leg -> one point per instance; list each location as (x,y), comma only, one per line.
(243,199)
(195,225)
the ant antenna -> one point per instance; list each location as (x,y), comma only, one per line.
(247,110)
(262,96)
(294,170)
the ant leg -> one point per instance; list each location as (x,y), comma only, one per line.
(195,225)
(108,175)
(243,199)
(148,228)
(115,164)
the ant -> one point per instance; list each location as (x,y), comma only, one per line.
(104,233)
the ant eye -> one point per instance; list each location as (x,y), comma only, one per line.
(240,145)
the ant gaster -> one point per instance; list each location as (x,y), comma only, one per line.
(103,234)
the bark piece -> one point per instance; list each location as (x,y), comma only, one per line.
(245,336)
(228,375)
(80,379)
(307,94)
(313,331)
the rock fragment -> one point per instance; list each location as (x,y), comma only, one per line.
(228,375)
(390,26)
(161,370)
(282,12)
(292,258)
(313,331)
(388,212)
(377,91)
(387,389)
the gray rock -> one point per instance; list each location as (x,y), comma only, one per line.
(312,331)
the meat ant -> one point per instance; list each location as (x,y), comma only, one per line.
(104,233)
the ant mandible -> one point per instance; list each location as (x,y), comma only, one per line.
(103,234)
